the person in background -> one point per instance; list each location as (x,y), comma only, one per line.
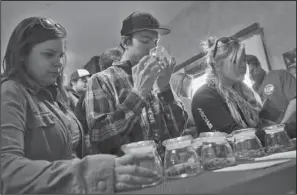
(121,104)
(181,84)
(277,90)
(108,57)
(225,103)
(292,69)
(77,86)
(41,139)
(105,61)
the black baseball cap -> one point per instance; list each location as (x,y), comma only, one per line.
(138,21)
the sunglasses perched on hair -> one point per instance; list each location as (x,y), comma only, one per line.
(224,40)
(48,24)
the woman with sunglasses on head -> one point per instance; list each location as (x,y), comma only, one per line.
(225,103)
(41,139)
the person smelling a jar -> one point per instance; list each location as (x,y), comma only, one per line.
(120,103)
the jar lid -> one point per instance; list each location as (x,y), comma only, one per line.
(212,134)
(141,146)
(178,142)
(246,130)
(274,127)
(215,139)
(197,142)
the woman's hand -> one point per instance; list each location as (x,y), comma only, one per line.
(129,176)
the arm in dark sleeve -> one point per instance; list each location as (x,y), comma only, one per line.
(289,88)
(80,112)
(20,175)
(109,125)
(175,115)
(289,85)
(211,114)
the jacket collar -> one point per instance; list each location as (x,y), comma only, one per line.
(34,88)
(125,65)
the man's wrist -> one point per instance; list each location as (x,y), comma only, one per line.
(166,95)
(165,88)
(139,93)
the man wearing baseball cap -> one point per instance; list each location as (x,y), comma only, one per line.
(78,84)
(277,90)
(121,105)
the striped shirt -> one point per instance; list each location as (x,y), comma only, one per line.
(117,115)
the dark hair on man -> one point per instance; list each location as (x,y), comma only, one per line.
(252,60)
(125,38)
(108,57)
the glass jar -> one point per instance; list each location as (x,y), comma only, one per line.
(277,139)
(148,146)
(230,140)
(181,160)
(216,152)
(230,136)
(160,52)
(247,146)
(197,145)
(218,133)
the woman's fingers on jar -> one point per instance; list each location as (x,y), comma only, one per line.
(125,187)
(132,158)
(134,180)
(136,171)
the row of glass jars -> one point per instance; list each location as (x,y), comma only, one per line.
(218,150)
(185,156)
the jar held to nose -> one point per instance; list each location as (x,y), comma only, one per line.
(160,53)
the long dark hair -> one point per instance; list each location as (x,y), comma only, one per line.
(28,33)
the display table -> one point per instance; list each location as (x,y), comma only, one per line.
(278,179)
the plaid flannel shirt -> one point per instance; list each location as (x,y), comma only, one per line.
(117,115)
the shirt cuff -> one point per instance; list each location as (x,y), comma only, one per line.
(135,102)
(166,96)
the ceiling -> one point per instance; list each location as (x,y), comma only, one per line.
(93,26)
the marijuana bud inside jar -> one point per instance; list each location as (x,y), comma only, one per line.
(216,152)
(277,139)
(181,160)
(247,146)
